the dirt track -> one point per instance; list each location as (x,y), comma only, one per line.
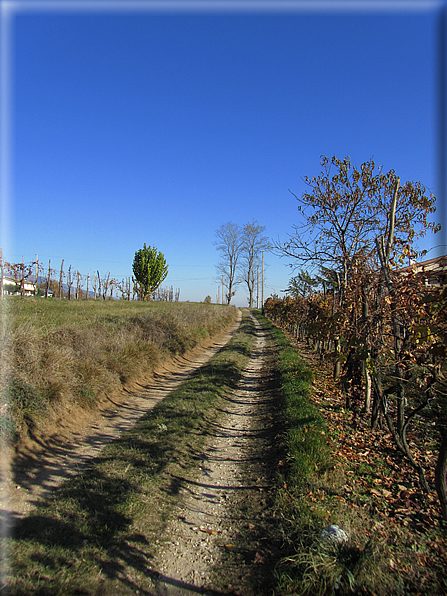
(221,540)
(234,471)
(35,471)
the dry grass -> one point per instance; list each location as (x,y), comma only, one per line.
(98,532)
(77,351)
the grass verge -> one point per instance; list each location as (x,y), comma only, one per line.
(327,478)
(98,533)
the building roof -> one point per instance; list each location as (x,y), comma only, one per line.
(433,269)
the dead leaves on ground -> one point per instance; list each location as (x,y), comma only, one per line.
(376,477)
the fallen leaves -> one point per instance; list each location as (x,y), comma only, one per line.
(210,532)
(374,469)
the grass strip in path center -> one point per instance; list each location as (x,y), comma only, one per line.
(97,533)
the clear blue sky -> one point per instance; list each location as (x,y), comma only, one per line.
(135,126)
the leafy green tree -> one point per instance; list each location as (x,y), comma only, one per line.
(149,269)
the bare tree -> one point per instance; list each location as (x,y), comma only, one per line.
(105,285)
(78,285)
(124,286)
(229,243)
(253,243)
(99,284)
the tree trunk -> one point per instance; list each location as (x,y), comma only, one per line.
(69,282)
(337,366)
(60,280)
(22,281)
(365,315)
(399,437)
(441,475)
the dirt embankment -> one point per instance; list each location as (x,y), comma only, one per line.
(32,471)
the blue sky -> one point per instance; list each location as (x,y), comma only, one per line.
(139,125)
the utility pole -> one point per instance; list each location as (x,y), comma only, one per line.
(218,295)
(262,282)
(223,299)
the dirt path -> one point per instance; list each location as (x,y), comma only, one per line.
(33,473)
(221,498)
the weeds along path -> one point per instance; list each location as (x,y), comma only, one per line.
(223,499)
(33,472)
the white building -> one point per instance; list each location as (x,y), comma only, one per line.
(11,287)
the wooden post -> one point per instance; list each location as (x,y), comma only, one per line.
(37,273)
(48,279)
(60,280)
(262,299)
(86,294)
(69,282)
(1,278)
